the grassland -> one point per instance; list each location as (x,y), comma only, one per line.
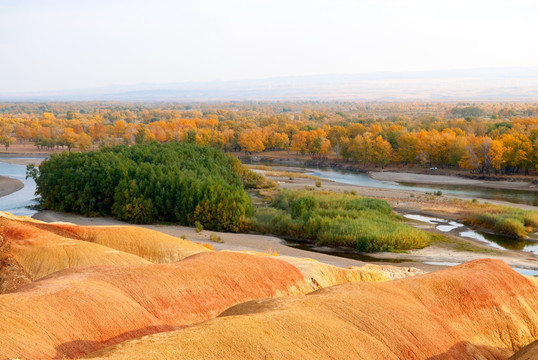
(332,219)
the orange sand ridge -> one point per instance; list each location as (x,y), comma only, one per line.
(479,310)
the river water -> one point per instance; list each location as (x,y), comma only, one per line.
(18,202)
(361,179)
(495,241)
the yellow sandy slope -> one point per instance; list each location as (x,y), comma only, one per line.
(30,253)
(31,249)
(479,310)
(76,311)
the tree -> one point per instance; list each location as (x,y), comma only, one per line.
(251,140)
(518,152)
(407,148)
(381,151)
(299,142)
(496,154)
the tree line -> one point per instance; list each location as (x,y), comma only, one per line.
(485,138)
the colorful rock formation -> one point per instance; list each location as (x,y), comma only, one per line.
(75,311)
(479,310)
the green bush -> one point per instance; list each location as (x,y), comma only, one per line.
(179,183)
(215,238)
(302,205)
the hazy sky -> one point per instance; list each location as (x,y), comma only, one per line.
(73,44)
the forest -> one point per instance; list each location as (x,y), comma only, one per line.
(483,138)
(180,183)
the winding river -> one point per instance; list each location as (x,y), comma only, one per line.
(19,202)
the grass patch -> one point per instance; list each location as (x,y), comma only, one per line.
(460,244)
(338,220)
(215,238)
(513,222)
(198,227)
(291,175)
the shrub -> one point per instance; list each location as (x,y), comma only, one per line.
(198,227)
(302,205)
(318,183)
(215,238)
(507,220)
(338,220)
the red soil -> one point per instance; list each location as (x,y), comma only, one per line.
(479,310)
(77,311)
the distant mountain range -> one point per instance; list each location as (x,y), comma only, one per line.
(508,84)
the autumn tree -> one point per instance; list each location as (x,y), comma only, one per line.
(251,140)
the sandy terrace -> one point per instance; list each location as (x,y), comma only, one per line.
(230,241)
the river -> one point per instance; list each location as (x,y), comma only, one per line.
(361,179)
(18,203)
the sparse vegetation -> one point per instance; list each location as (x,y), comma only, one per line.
(338,220)
(291,175)
(506,220)
(215,238)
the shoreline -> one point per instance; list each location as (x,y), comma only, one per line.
(415,178)
(231,241)
(276,159)
(268,244)
(397,198)
(9,185)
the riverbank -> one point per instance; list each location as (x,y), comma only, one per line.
(9,185)
(284,158)
(397,198)
(404,177)
(230,241)
(456,250)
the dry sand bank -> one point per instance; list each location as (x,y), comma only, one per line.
(9,185)
(231,241)
(22,160)
(449,180)
(269,244)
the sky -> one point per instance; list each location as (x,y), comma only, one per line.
(48,45)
